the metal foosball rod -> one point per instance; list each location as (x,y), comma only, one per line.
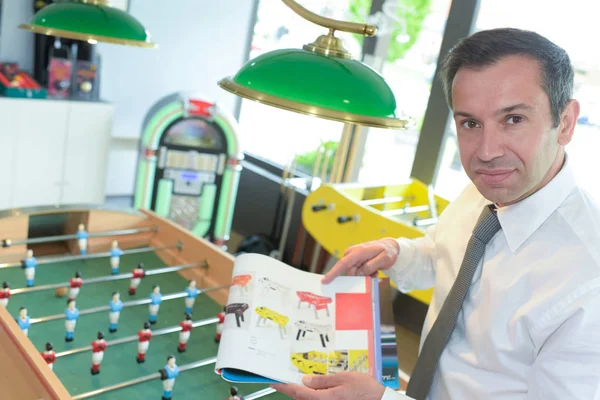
(126,304)
(134,338)
(58,238)
(142,379)
(108,278)
(187,367)
(61,259)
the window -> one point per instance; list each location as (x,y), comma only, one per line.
(411,59)
(277,135)
(569,27)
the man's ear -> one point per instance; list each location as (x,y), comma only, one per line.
(568,121)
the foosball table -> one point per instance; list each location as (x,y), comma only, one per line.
(116,304)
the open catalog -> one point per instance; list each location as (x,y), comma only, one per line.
(282,323)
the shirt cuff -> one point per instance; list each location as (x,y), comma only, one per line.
(389,394)
(403,261)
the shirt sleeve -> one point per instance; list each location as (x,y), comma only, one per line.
(415,266)
(567,364)
(389,394)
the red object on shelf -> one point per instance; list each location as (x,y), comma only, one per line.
(201,108)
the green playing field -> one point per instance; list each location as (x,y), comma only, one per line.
(119,362)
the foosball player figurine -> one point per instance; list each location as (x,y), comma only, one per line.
(23,320)
(186,331)
(71,315)
(115,257)
(49,355)
(138,273)
(116,305)
(192,291)
(75,285)
(155,300)
(145,335)
(168,375)
(233,394)
(98,347)
(29,264)
(82,239)
(221,316)
(4,294)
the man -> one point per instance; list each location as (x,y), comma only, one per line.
(521,319)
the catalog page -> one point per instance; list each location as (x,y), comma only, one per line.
(282,323)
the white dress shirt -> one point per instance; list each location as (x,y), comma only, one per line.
(530,325)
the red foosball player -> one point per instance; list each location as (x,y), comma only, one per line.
(186,331)
(76,282)
(144,342)
(4,294)
(49,355)
(98,347)
(221,317)
(138,273)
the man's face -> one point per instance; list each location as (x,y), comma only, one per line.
(504,125)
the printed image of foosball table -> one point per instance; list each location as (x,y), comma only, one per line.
(318,302)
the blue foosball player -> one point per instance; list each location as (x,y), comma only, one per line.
(29,263)
(115,257)
(192,292)
(167,376)
(82,239)
(71,315)
(116,306)
(23,320)
(155,300)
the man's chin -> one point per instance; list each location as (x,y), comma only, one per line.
(497,195)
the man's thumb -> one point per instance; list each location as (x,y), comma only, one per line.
(322,381)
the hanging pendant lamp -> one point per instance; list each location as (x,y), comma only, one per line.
(321,79)
(89,20)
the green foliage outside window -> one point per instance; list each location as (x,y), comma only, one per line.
(411,12)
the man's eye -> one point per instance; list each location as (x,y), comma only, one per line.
(514,119)
(470,124)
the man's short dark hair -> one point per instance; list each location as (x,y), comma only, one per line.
(485,48)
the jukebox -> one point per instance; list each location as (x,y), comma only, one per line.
(189,165)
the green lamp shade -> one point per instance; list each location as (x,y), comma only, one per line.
(88,22)
(334,88)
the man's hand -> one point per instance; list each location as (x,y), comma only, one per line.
(342,386)
(365,259)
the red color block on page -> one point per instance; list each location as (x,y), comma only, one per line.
(353,312)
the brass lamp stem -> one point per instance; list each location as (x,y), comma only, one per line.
(335,25)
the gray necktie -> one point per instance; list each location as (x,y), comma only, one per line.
(422,376)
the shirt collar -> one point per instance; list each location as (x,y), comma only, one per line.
(536,208)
